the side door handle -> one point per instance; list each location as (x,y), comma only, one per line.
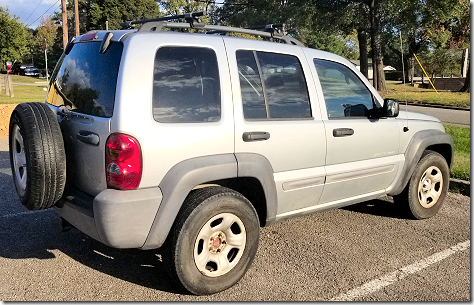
(342,132)
(88,137)
(255,136)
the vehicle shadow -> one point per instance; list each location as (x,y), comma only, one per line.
(28,234)
(380,207)
(39,235)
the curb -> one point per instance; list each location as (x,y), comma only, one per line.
(460,186)
(436,106)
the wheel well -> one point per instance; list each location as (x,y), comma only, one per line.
(250,188)
(444,150)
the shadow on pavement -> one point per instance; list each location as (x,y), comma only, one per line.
(37,234)
(28,234)
(379,207)
(4,155)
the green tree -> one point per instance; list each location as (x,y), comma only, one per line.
(422,24)
(303,20)
(46,30)
(13,38)
(93,14)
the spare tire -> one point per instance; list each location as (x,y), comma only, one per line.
(37,156)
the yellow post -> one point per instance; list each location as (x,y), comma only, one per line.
(425,73)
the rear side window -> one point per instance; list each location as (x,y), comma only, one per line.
(85,80)
(272,85)
(186,85)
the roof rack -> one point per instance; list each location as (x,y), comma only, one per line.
(191,18)
(275,31)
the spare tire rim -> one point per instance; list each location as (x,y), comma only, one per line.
(219,245)
(430,187)
(19,160)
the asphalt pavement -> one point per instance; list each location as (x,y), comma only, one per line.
(447,116)
(364,252)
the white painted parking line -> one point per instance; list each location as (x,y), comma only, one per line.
(393,277)
(23,213)
(6,171)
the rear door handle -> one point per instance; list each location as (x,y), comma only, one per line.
(342,132)
(88,137)
(255,136)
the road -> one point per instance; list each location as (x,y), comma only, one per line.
(447,116)
(365,252)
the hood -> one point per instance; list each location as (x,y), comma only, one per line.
(416,116)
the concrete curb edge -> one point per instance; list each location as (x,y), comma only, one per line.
(435,106)
(460,186)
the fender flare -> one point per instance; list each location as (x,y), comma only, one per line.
(257,166)
(418,144)
(184,176)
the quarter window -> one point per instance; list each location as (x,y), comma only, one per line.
(186,86)
(272,86)
(344,93)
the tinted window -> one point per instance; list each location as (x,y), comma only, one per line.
(250,86)
(344,92)
(283,94)
(85,80)
(186,85)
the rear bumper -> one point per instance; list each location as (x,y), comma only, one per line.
(119,219)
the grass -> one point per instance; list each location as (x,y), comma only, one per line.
(23,94)
(27,80)
(427,96)
(461,168)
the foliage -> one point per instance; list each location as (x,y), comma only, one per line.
(47,30)
(441,62)
(93,14)
(13,38)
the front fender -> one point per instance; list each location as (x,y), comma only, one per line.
(418,144)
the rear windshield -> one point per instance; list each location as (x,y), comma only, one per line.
(85,80)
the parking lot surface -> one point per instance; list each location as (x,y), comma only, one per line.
(364,252)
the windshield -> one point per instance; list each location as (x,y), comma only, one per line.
(85,80)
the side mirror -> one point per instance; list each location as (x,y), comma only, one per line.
(390,108)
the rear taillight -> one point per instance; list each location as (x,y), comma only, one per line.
(123,162)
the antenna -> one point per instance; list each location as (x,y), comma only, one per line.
(405,129)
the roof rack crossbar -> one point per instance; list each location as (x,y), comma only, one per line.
(275,31)
(191,18)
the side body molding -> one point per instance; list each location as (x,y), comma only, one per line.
(176,185)
(418,144)
(257,166)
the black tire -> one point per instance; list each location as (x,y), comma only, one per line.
(37,155)
(185,250)
(421,197)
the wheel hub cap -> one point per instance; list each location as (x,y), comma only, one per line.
(219,245)
(217,242)
(427,185)
(430,187)
(20,170)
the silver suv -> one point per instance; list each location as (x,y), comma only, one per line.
(193,141)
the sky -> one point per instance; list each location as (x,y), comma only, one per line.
(30,11)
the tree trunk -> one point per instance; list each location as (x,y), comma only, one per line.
(411,69)
(364,59)
(467,82)
(377,62)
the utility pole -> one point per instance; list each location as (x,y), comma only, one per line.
(64,12)
(76,17)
